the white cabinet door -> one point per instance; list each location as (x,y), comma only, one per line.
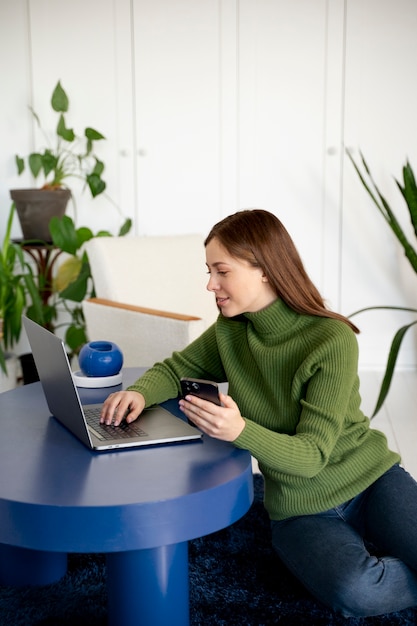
(282,118)
(86,46)
(177,114)
(230,102)
(211,106)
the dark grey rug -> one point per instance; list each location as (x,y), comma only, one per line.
(235,580)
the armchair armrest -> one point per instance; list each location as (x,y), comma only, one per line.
(142,309)
(144,335)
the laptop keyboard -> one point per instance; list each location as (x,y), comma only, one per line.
(124,431)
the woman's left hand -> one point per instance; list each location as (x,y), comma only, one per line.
(221,422)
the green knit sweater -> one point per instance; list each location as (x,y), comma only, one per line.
(294,378)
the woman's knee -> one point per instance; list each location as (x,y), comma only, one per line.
(380,586)
(339,571)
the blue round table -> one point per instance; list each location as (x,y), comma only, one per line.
(139,506)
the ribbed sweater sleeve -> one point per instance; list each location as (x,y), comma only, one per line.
(294,378)
(201,359)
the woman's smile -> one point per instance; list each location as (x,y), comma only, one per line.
(246,285)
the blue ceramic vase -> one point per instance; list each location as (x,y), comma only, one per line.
(100,358)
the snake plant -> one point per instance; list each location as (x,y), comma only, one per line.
(408,189)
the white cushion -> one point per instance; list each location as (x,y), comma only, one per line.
(166,272)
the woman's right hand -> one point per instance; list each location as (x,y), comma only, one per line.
(121,405)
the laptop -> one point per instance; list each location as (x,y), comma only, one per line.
(154,426)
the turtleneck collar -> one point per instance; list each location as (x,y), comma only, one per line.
(277,319)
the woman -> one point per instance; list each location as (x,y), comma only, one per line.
(333,488)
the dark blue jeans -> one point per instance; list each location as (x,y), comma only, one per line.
(360,558)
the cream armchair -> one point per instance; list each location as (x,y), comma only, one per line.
(151,294)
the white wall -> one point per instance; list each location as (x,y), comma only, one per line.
(379,118)
(210,106)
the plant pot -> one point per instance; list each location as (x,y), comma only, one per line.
(36,207)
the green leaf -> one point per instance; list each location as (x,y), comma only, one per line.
(35,163)
(386,211)
(67,273)
(59,100)
(35,298)
(385,308)
(391,362)
(93,135)
(49,162)
(393,353)
(7,235)
(96,184)
(66,133)
(47,318)
(98,168)
(63,233)
(75,337)
(77,290)
(125,228)
(84,234)
(20,164)
(78,316)
(409,192)
(3,361)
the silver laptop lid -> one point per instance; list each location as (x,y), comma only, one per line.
(54,371)
(63,401)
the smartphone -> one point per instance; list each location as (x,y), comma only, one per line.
(204,389)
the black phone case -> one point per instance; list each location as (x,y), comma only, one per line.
(204,389)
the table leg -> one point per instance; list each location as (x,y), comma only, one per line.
(20,567)
(149,586)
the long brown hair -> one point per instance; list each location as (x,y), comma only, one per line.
(260,238)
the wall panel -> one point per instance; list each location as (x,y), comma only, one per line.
(77,45)
(177,75)
(210,106)
(282,81)
(380,120)
(15,126)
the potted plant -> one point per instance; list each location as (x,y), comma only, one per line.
(408,189)
(62,288)
(16,284)
(67,155)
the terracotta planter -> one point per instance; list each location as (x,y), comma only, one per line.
(35,207)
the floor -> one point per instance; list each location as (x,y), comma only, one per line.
(397,418)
